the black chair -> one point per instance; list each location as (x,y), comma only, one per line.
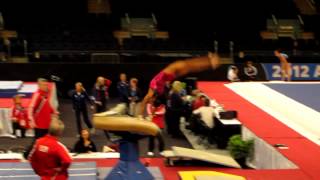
(199,127)
(194,124)
(204,133)
(212,138)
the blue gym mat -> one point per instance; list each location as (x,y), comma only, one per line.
(307,94)
(155,171)
(77,171)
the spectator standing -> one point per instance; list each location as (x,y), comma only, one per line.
(123,88)
(101,93)
(79,101)
(174,111)
(134,97)
(19,117)
(40,109)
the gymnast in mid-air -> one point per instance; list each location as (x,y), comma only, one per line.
(110,121)
(176,70)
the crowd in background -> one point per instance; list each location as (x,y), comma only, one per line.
(179,101)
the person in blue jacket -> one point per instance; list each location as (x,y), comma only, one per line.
(80,98)
(123,88)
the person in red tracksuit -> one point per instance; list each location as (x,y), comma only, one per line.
(49,158)
(40,109)
(19,117)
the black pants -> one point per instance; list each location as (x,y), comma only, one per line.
(38,133)
(152,142)
(173,122)
(102,107)
(167,121)
(85,117)
(16,126)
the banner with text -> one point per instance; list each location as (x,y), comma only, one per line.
(299,71)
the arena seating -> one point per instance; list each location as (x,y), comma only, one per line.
(226,22)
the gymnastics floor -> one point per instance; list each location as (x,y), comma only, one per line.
(269,110)
(279,113)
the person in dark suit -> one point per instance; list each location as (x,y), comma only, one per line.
(85,144)
(123,88)
(80,98)
(175,106)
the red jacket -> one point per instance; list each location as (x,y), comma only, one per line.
(47,156)
(97,90)
(108,82)
(40,110)
(19,114)
(197,103)
(157,114)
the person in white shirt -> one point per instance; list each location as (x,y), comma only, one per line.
(206,113)
(233,74)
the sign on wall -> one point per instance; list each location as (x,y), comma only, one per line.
(299,71)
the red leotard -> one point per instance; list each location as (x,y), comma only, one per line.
(158,83)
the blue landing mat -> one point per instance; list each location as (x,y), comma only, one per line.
(77,171)
(307,94)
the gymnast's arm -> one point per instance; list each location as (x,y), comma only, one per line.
(145,100)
